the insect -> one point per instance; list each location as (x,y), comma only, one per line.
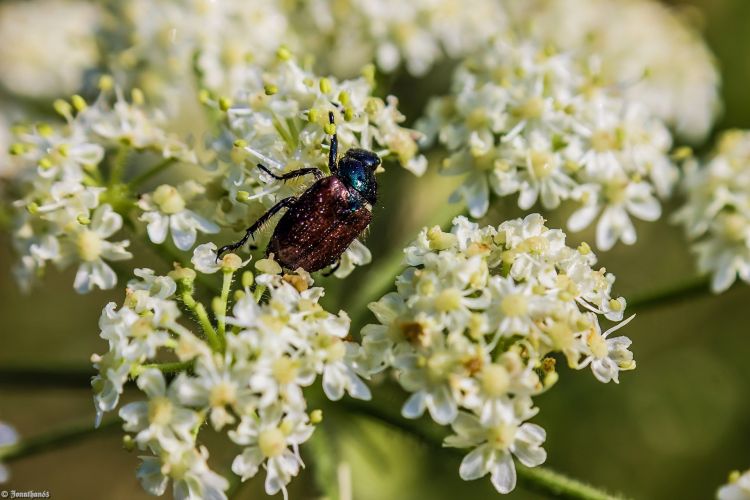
(321,223)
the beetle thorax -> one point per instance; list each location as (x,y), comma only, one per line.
(358,176)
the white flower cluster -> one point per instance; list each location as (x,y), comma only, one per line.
(247,379)
(67,213)
(156,44)
(527,120)
(738,487)
(471,326)
(416,34)
(650,52)
(717,212)
(46,46)
(280,119)
(8,437)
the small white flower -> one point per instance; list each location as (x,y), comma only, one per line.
(219,386)
(356,255)
(608,356)
(267,440)
(616,201)
(159,422)
(494,445)
(165,211)
(90,247)
(188,468)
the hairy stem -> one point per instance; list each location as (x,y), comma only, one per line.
(221,314)
(54,439)
(199,311)
(538,479)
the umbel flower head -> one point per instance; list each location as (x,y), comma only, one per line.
(716,215)
(71,194)
(651,53)
(471,328)
(280,119)
(533,121)
(243,373)
(158,46)
(348,34)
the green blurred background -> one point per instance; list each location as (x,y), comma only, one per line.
(673,428)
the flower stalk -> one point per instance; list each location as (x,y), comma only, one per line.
(54,439)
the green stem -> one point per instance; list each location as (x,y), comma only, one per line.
(53,439)
(152,172)
(221,316)
(538,479)
(68,375)
(382,275)
(694,287)
(202,316)
(118,164)
(171,367)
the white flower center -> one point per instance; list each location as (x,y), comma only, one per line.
(438,367)
(561,335)
(531,109)
(603,140)
(542,164)
(222,394)
(615,192)
(502,436)
(477,119)
(598,345)
(284,370)
(336,351)
(141,328)
(89,245)
(495,380)
(514,304)
(448,300)
(169,199)
(272,442)
(160,411)
(733,226)
(534,244)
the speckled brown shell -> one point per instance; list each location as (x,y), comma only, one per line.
(319,227)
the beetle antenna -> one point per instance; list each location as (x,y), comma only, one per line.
(333,151)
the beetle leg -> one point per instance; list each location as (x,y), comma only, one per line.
(333,152)
(296,173)
(285,203)
(333,268)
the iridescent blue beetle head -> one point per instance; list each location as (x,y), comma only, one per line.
(356,169)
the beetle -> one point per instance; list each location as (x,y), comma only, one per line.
(321,223)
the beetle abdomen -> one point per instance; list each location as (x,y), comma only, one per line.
(320,226)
